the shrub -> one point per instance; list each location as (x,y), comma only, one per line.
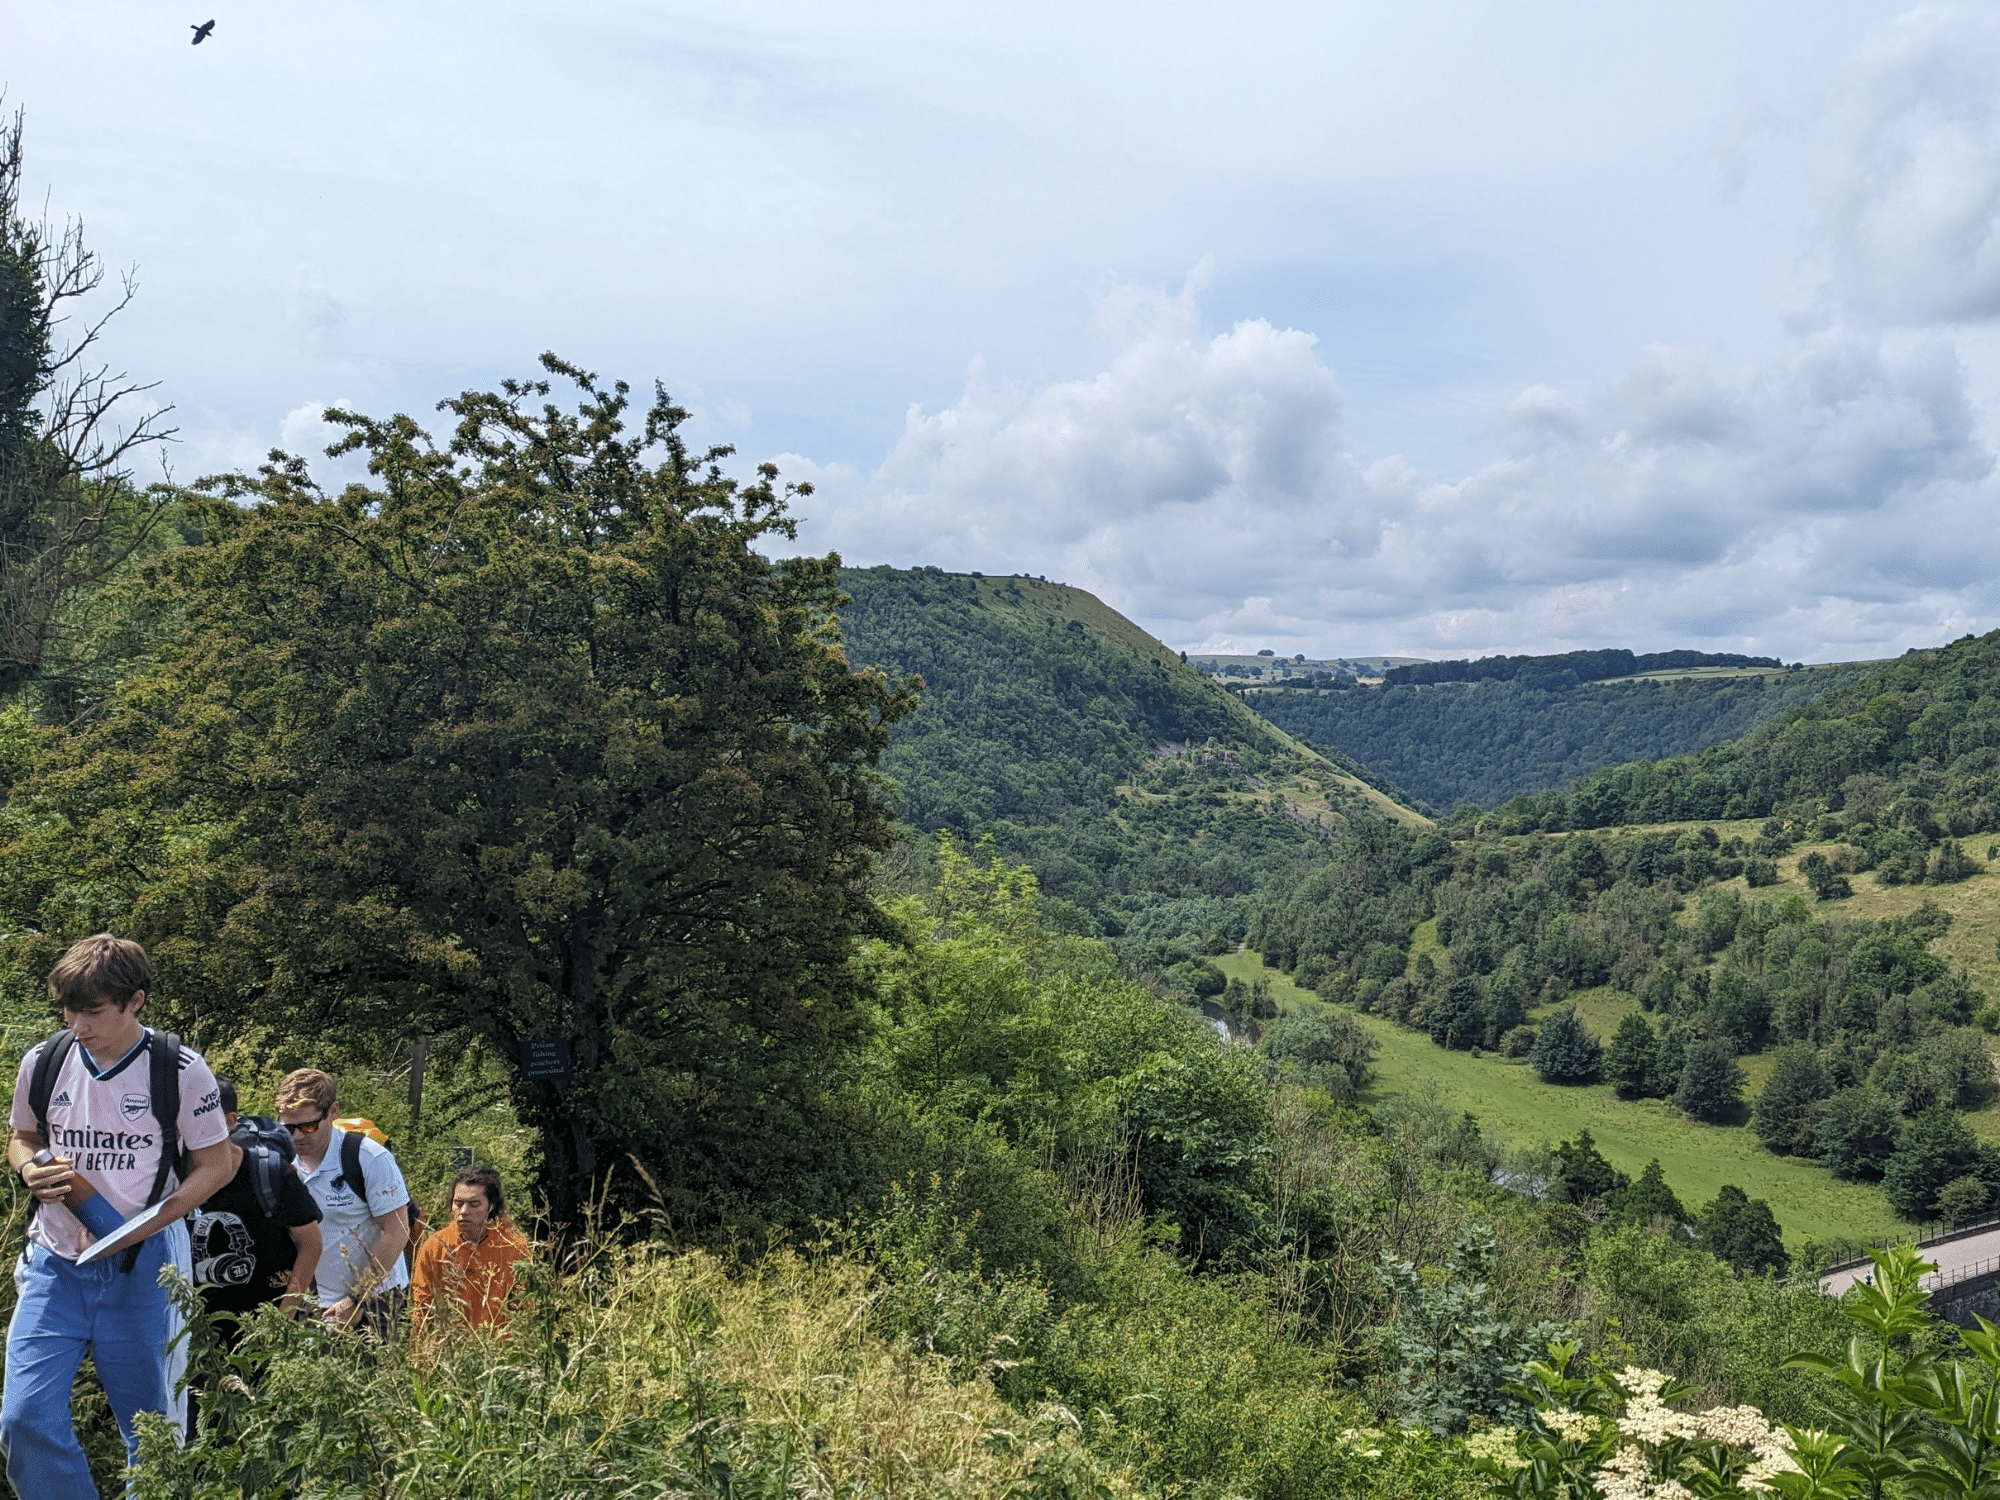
(1457,1018)
(1758,872)
(1582,1175)
(1711,1085)
(1454,1357)
(651,1373)
(1827,883)
(1521,1041)
(1564,1052)
(1741,1230)
(1783,1118)
(1632,1057)
(1854,1132)
(1650,1200)
(1327,1050)
(1936,1149)
(1948,1067)
(1962,1200)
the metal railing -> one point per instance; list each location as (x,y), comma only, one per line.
(1931,1232)
(1938,1281)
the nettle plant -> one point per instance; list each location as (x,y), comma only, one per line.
(1907,1423)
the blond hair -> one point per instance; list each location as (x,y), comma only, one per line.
(100,970)
(305,1086)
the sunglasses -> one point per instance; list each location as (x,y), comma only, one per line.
(308,1127)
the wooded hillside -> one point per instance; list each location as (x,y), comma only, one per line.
(1489,740)
(1080,743)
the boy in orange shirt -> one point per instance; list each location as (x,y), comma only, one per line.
(471,1260)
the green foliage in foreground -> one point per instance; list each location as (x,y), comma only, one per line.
(645,1374)
(1900,1419)
(1112,1254)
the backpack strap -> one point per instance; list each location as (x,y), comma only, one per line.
(165,1060)
(42,1082)
(352,1175)
(264,1169)
(49,1062)
(350,1165)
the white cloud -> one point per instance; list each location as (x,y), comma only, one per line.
(1827,501)
(1835,497)
(1911,225)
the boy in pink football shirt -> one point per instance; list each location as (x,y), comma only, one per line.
(114,1155)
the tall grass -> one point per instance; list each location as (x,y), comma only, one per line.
(640,1373)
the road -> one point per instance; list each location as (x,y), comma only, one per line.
(1956,1260)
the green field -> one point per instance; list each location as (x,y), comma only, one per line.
(1510,1100)
(1600,1009)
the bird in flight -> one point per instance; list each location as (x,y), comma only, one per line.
(201,32)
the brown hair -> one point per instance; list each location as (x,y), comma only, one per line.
(304,1086)
(482,1177)
(98,971)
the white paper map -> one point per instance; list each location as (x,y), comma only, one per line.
(126,1233)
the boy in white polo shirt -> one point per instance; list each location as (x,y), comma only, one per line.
(98,1114)
(361,1277)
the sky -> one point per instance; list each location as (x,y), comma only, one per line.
(1434,328)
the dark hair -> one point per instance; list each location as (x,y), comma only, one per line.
(485,1178)
(225,1089)
(98,971)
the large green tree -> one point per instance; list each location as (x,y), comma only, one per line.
(1936,1150)
(1784,1115)
(1565,1051)
(1743,1231)
(1855,1132)
(522,740)
(1711,1085)
(1631,1060)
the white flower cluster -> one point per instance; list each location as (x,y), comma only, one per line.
(1576,1426)
(1628,1475)
(1497,1445)
(1644,1384)
(1362,1440)
(1648,1422)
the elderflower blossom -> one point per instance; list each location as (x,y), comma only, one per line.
(1496,1445)
(1770,1460)
(1673,1489)
(1737,1426)
(1626,1475)
(1576,1426)
(1643,1384)
(1649,1422)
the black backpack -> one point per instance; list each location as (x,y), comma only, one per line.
(357,1183)
(163,1060)
(267,1146)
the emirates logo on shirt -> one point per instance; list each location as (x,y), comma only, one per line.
(134,1105)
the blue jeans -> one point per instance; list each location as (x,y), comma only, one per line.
(119,1318)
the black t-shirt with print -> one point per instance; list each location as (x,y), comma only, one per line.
(242,1258)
